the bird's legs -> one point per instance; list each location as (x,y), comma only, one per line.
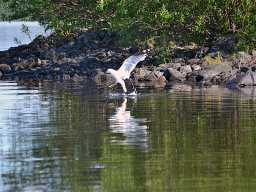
(133,86)
(112,85)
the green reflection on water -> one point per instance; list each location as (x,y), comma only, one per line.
(203,140)
(197,144)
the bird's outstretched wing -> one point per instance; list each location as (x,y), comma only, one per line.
(129,64)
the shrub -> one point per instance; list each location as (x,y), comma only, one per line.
(184,20)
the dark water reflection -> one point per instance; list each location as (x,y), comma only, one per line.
(67,136)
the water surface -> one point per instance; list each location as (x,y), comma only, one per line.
(9,31)
(66,136)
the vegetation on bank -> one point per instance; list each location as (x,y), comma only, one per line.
(161,22)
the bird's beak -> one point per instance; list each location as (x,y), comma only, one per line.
(112,85)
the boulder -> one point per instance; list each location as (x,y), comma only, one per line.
(185,69)
(50,54)
(66,77)
(83,63)
(27,64)
(253,68)
(160,81)
(244,58)
(100,76)
(171,65)
(96,38)
(226,44)
(158,74)
(213,70)
(201,52)
(4,68)
(149,77)
(173,74)
(140,73)
(193,61)
(253,53)
(70,46)
(181,53)
(195,67)
(179,60)
(248,79)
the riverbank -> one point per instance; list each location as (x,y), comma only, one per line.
(91,53)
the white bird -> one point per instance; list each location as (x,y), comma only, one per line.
(127,67)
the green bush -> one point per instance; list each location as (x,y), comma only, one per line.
(138,21)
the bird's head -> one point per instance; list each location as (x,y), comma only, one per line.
(146,51)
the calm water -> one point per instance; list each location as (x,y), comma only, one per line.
(11,31)
(66,136)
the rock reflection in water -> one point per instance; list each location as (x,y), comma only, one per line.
(127,129)
(248,92)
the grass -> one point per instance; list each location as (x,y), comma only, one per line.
(211,61)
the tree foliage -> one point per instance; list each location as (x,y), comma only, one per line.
(192,20)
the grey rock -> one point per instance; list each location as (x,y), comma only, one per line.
(173,74)
(179,60)
(193,76)
(195,67)
(193,61)
(213,70)
(110,41)
(215,55)
(61,49)
(100,76)
(84,63)
(171,65)
(248,79)
(70,46)
(201,52)
(80,38)
(226,44)
(253,53)
(244,69)
(66,77)
(185,69)
(50,54)
(158,73)
(150,77)
(104,33)
(244,58)
(89,36)
(181,53)
(31,62)
(140,73)
(160,81)
(4,68)
(253,68)
(76,77)
(95,38)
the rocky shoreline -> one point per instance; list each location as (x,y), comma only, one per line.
(91,53)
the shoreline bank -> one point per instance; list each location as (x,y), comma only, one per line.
(91,53)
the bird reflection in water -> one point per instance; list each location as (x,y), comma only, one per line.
(128,130)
